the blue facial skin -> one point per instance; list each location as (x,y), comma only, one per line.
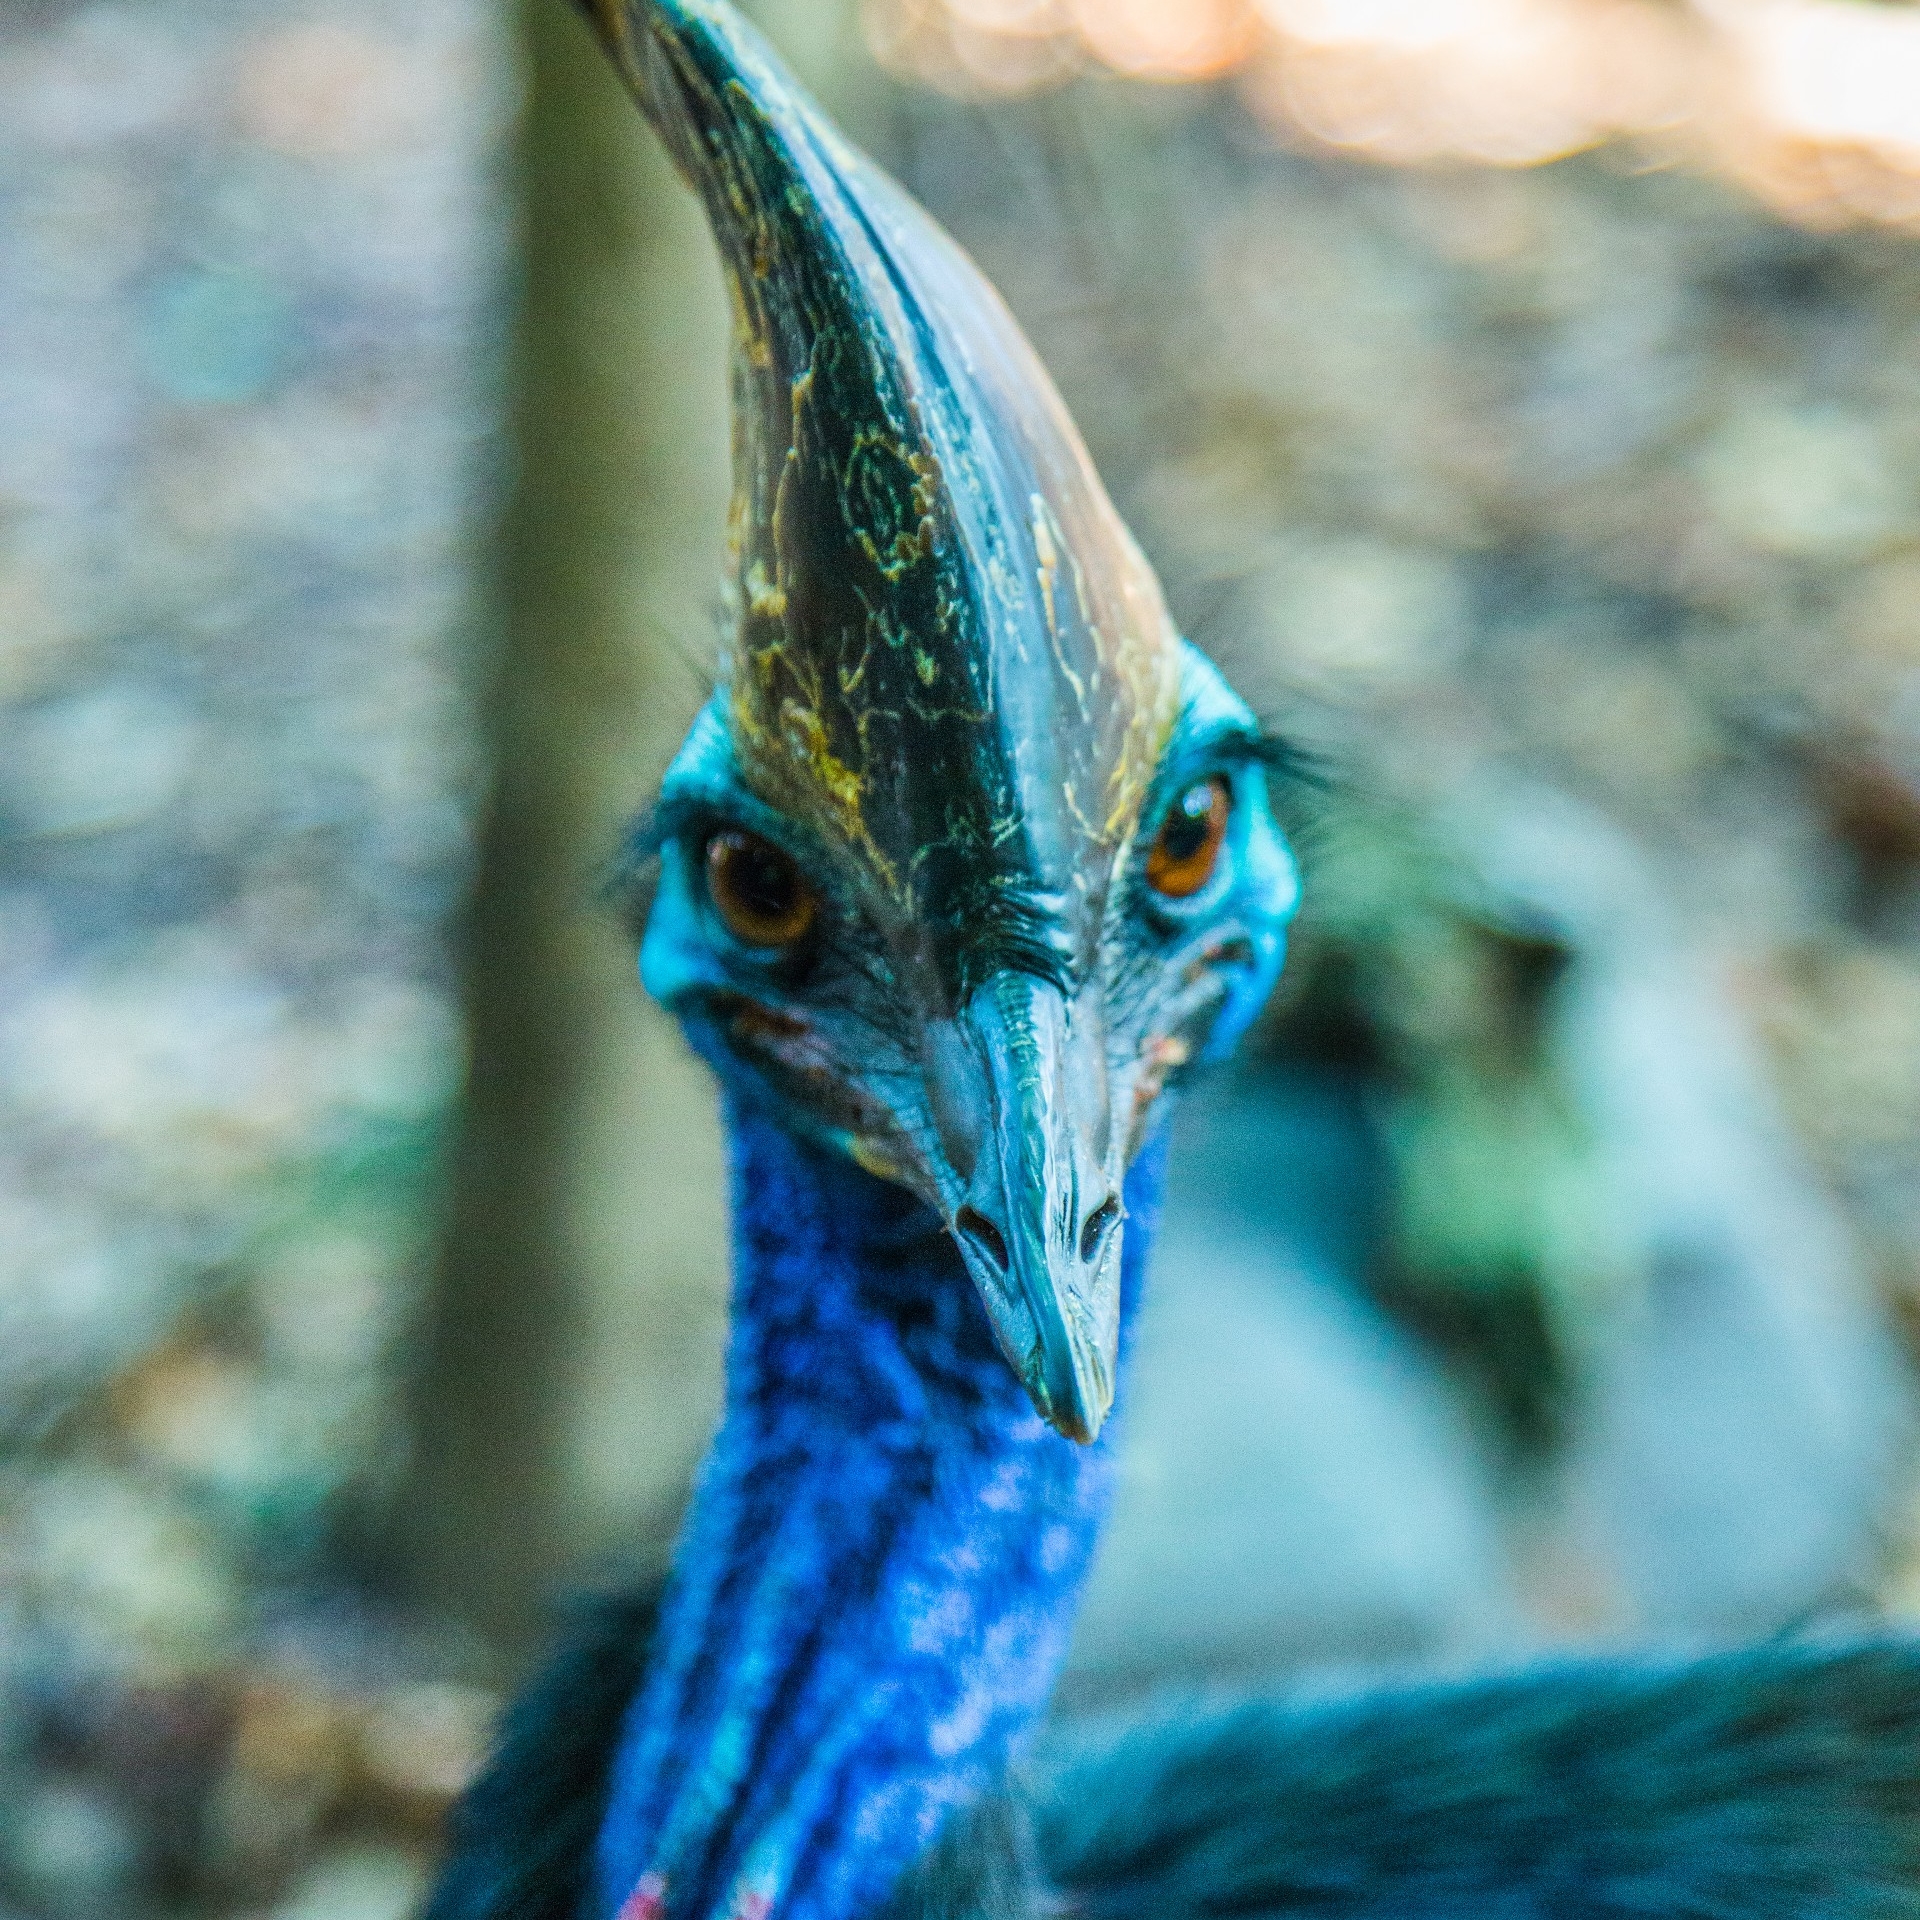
(1194,972)
(1256,887)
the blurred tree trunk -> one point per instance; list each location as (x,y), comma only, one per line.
(570,1360)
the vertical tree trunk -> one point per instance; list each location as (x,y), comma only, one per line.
(571,1356)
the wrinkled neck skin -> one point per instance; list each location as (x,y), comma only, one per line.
(874,1587)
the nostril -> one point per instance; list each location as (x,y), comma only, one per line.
(984,1235)
(1100,1222)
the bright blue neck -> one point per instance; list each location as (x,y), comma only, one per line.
(874,1587)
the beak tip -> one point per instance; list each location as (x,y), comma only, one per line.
(1077,1414)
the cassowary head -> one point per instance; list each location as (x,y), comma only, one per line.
(971,854)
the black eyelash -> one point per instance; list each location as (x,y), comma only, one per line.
(1285,759)
(664,818)
(1240,746)
(628,873)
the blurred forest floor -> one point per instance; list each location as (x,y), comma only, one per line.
(1579,502)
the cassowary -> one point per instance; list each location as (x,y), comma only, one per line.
(967,864)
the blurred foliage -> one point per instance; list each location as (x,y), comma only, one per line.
(1503,1238)
(250,282)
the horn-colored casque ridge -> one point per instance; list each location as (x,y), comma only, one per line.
(938,619)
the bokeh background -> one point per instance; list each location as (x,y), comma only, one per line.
(1521,398)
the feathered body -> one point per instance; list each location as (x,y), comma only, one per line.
(970,858)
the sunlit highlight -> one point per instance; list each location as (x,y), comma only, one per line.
(1409,25)
(1813,103)
(1155,41)
(1839,74)
(1505,82)
(1022,18)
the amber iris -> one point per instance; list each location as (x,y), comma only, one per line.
(759,892)
(1187,848)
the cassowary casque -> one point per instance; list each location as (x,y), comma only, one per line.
(965,865)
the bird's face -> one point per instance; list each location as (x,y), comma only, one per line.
(972,854)
(1008,1081)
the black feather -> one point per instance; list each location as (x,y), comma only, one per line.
(1783,1781)
(983,1867)
(520,1841)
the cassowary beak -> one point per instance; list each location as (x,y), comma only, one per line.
(1018,1085)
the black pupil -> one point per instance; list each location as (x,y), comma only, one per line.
(1186,830)
(763,879)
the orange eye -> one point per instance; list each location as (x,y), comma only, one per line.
(1187,848)
(759,892)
